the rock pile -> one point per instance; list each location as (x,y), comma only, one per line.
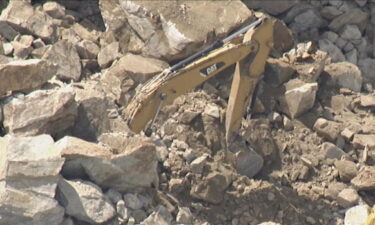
(305,155)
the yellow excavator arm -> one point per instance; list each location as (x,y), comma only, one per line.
(249,55)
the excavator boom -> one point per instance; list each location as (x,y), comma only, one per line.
(249,56)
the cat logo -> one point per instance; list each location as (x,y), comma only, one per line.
(210,69)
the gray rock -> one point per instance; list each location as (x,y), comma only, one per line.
(132,169)
(197,165)
(348,197)
(347,169)
(161,216)
(84,201)
(307,20)
(64,55)
(22,16)
(296,9)
(132,201)
(273,8)
(330,35)
(178,39)
(25,75)
(330,12)
(114,195)
(365,179)
(108,54)
(333,51)
(7,31)
(351,32)
(327,129)
(345,75)
(184,216)
(353,16)
(50,112)
(367,67)
(331,151)
(298,100)
(357,215)
(248,163)
(352,56)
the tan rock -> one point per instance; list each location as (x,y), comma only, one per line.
(363,140)
(365,179)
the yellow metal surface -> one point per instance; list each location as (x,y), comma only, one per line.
(371,217)
(248,71)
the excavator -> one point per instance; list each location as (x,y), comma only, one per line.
(250,55)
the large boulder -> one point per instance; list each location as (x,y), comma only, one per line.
(42,111)
(131,169)
(25,75)
(174,29)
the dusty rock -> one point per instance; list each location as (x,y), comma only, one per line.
(331,151)
(353,16)
(363,140)
(333,51)
(347,134)
(347,198)
(64,55)
(298,100)
(131,169)
(211,188)
(160,216)
(365,179)
(50,112)
(327,129)
(367,100)
(248,163)
(23,17)
(84,33)
(347,169)
(307,20)
(54,9)
(352,56)
(345,75)
(84,201)
(87,49)
(177,39)
(7,31)
(25,75)
(108,54)
(356,215)
(277,72)
(367,67)
(22,46)
(129,71)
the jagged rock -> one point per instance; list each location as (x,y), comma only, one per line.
(87,49)
(367,67)
(131,169)
(50,112)
(129,71)
(363,140)
(333,51)
(348,197)
(367,100)
(54,9)
(23,17)
(38,53)
(25,75)
(277,72)
(84,201)
(307,20)
(97,114)
(365,179)
(353,16)
(29,175)
(345,75)
(160,216)
(108,54)
(327,129)
(273,8)
(22,46)
(85,34)
(64,55)
(357,215)
(183,33)
(331,151)
(347,169)
(184,216)
(298,99)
